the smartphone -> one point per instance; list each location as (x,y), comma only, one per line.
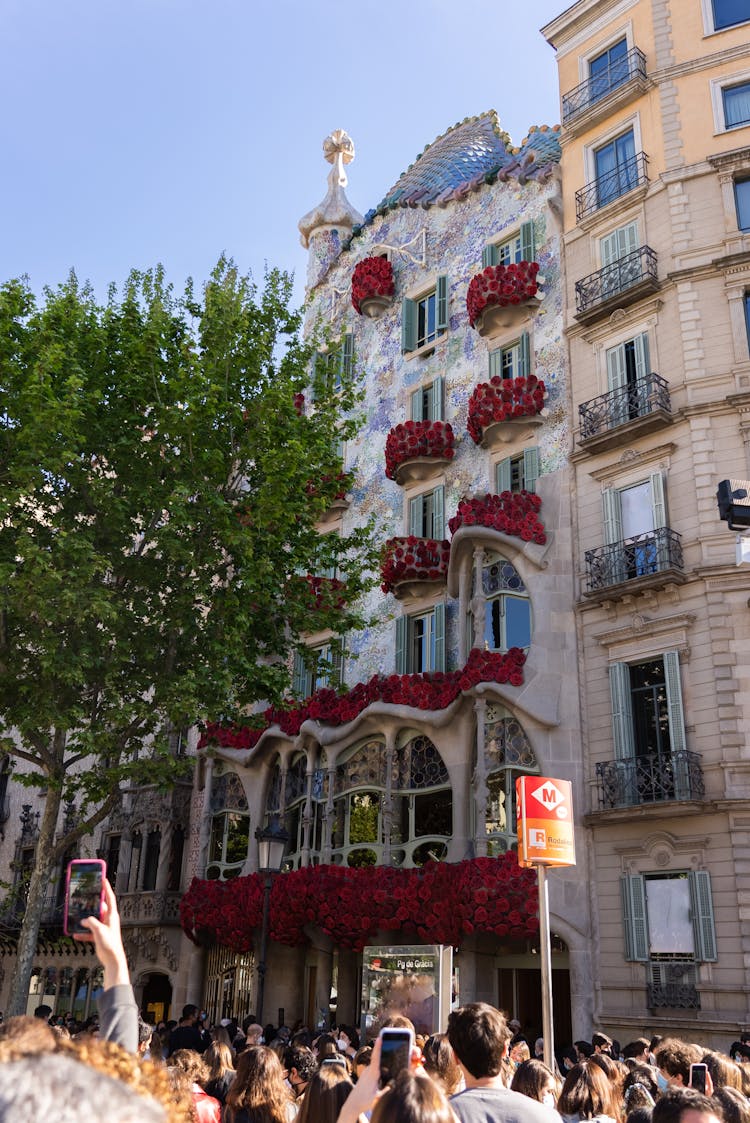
(84,894)
(698,1078)
(395,1052)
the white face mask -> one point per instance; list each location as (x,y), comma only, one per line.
(548,1098)
(342,1043)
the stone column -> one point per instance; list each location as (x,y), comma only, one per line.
(328,823)
(390,750)
(123,868)
(480,783)
(477,602)
(307,814)
(205,824)
(165,853)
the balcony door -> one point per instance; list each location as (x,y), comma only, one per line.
(615,166)
(631,517)
(627,379)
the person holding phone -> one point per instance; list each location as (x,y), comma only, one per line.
(118,1010)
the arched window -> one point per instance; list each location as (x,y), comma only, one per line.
(422,803)
(507,620)
(294,803)
(358,790)
(507,755)
(230,828)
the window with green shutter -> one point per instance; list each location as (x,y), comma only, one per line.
(512,360)
(427,514)
(424,318)
(520,247)
(669,917)
(427,401)
(317,667)
(335,364)
(420,642)
(518,473)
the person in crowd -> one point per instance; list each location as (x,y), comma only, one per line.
(145,1036)
(439,1062)
(301,1065)
(253,1034)
(640,1088)
(568,1057)
(588,1094)
(64,1089)
(220,1070)
(583,1049)
(685,1105)
(188,1035)
(221,1035)
(188,1068)
(602,1043)
(673,1059)
(479,1037)
(347,1041)
(724,1072)
(637,1051)
(413,1098)
(519,1050)
(326,1093)
(733,1104)
(259,1093)
(361,1061)
(534,1079)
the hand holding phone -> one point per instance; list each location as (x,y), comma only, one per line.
(84,895)
(396,1049)
(698,1078)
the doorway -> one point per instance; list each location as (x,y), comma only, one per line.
(157,998)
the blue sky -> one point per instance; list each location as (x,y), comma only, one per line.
(144,131)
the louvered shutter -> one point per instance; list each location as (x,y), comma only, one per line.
(642,360)
(702,911)
(496,363)
(617,381)
(530,468)
(408,325)
(416,516)
(503,475)
(622,718)
(677,741)
(337,667)
(437,399)
(441,304)
(299,675)
(528,248)
(635,923)
(346,357)
(417,405)
(402,631)
(612,516)
(438,513)
(438,624)
(658,500)
(489,256)
(524,355)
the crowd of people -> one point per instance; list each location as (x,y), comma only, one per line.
(118,1069)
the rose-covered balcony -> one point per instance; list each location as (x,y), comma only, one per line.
(415,450)
(320,593)
(501,296)
(372,286)
(412,567)
(493,522)
(498,407)
(340,501)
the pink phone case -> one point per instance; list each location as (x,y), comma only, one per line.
(95,865)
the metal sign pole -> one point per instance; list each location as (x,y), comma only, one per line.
(546,966)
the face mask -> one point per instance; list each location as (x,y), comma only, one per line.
(662,1082)
(549,1099)
(261,1040)
(342,1043)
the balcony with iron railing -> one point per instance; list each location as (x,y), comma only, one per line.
(612,185)
(622,79)
(673,983)
(618,284)
(614,418)
(652,559)
(647,779)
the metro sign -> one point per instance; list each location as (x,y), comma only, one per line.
(549,796)
(545,822)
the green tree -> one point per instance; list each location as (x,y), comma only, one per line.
(160,486)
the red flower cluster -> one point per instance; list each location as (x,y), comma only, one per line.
(438,903)
(433,691)
(512,512)
(501,285)
(344,478)
(299,403)
(501,399)
(417,438)
(414,559)
(322,591)
(373,276)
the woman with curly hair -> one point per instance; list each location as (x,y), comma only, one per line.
(188,1069)
(258,1093)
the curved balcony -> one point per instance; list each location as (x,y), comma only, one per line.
(652,559)
(372,286)
(613,418)
(500,296)
(415,450)
(497,408)
(412,567)
(617,285)
(649,779)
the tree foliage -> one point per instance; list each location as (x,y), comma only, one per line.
(159,493)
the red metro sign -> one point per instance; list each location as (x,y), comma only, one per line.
(545,822)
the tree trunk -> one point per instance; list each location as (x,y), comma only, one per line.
(32,919)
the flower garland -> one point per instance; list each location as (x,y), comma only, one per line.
(501,285)
(439,903)
(417,438)
(512,512)
(414,559)
(433,691)
(373,276)
(501,399)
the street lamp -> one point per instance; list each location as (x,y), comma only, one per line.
(272,842)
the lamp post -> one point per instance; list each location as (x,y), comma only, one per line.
(272,842)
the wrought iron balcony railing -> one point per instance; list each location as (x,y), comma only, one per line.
(625,177)
(649,779)
(673,983)
(639,556)
(616,279)
(620,71)
(628,403)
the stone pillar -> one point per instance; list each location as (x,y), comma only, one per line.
(205,824)
(477,602)
(165,853)
(328,823)
(307,814)
(123,868)
(480,783)
(390,750)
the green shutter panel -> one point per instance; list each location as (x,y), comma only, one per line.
(530,468)
(702,909)
(337,665)
(401,636)
(528,249)
(408,325)
(658,500)
(441,304)
(489,256)
(299,674)
(437,399)
(675,710)
(438,513)
(496,363)
(416,516)
(612,517)
(617,381)
(642,360)
(503,475)
(524,355)
(622,719)
(438,624)
(634,916)
(346,357)
(417,403)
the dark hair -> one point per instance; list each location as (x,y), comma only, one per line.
(351,1033)
(327,1091)
(671,1104)
(301,1058)
(440,1062)
(258,1088)
(189,1011)
(733,1104)
(412,1098)
(640,1088)
(363,1056)
(587,1092)
(584,1047)
(531,1078)
(639,1115)
(635,1048)
(676,1057)
(602,1041)
(145,1031)
(479,1035)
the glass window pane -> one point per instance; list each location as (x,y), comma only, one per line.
(737,105)
(517,622)
(742,197)
(238,830)
(670,928)
(727,13)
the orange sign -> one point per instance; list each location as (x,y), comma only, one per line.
(545,822)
